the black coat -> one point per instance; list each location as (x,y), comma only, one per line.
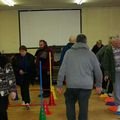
(27,64)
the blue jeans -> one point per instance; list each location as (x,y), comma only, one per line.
(72,95)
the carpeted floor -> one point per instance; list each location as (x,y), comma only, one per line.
(97,108)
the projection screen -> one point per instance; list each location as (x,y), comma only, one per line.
(54,26)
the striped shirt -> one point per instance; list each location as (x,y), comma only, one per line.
(116,53)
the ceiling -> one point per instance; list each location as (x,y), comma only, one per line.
(56,4)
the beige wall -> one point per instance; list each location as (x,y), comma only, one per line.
(101,23)
(9,31)
(98,23)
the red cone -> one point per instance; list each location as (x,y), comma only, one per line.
(51,100)
(46,108)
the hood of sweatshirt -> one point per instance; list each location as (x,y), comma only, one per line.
(80,46)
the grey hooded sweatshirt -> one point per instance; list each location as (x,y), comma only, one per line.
(79,68)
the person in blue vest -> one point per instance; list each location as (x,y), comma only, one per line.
(72,40)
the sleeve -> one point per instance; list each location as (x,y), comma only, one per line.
(100,54)
(106,62)
(62,72)
(97,72)
(15,65)
(62,55)
(10,77)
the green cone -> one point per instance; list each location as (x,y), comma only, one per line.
(42,115)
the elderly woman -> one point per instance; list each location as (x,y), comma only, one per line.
(7,86)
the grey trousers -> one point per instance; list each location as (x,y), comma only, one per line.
(73,95)
(117,88)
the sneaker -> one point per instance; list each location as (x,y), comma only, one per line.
(27,106)
(23,102)
(110,94)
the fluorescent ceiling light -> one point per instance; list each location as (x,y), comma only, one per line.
(79,1)
(8,2)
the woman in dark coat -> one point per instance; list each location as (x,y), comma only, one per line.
(42,54)
(24,67)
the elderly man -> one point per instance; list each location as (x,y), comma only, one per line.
(111,64)
(72,40)
(80,66)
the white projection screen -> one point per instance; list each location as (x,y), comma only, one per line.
(54,26)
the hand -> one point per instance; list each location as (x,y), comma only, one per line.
(106,78)
(48,72)
(36,78)
(13,95)
(21,72)
(98,90)
(59,90)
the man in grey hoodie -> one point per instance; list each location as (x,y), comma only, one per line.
(79,67)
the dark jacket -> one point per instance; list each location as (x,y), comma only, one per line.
(27,64)
(65,48)
(95,48)
(7,78)
(109,63)
(43,56)
(100,54)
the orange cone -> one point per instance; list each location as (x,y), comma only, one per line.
(109,99)
(51,100)
(46,108)
(113,108)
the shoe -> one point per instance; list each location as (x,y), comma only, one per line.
(110,94)
(44,95)
(27,106)
(23,102)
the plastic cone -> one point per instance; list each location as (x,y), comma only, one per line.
(51,100)
(46,108)
(110,103)
(109,99)
(42,115)
(53,91)
(113,108)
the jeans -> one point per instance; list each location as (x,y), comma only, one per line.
(72,95)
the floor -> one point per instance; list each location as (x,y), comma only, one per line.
(97,108)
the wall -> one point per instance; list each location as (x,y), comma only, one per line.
(9,31)
(101,23)
(98,23)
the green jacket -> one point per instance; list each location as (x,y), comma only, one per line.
(100,54)
(109,63)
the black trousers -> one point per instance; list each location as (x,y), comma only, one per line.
(45,83)
(105,84)
(24,87)
(73,95)
(3,108)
